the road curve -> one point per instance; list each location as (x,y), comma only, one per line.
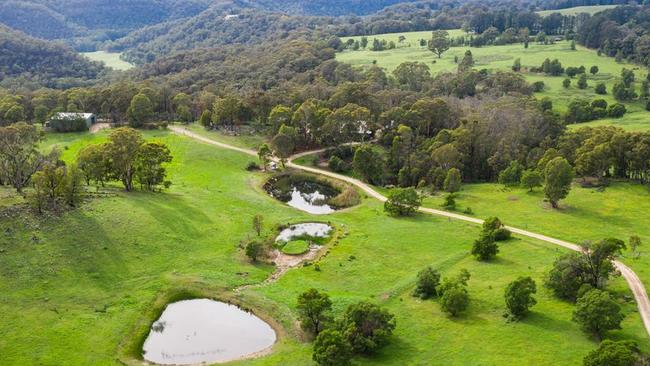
(633,281)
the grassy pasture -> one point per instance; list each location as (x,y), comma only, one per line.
(502,58)
(587,214)
(73,288)
(110,59)
(592,9)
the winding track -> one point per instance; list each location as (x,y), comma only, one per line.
(633,281)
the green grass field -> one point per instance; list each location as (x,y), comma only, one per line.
(111,59)
(80,288)
(587,214)
(295,247)
(593,9)
(502,58)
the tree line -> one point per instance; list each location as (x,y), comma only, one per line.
(620,32)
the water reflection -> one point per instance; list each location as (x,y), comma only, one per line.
(305,195)
(311,229)
(313,202)
(202,330)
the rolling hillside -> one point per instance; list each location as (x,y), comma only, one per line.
(41,62)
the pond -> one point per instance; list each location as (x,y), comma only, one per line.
(308,229)
(205,331)
(305,195)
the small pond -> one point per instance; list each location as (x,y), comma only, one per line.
(305,195)
(205,331)
(309,229)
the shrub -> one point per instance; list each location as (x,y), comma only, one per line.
(450,201)
(538,86)
(337,164)
(427,283)
(437,177)
(494,228)
(402,202)
(531,179)
(254,250)
(623,92)
(512,174)
(566,83)
(613,353)
(599,103)
(582,81)
(485,248)
(600,88)
(367,327)
(616,110)
(453,291)
(519,297)
(455,300)
(597,312)
(369,164)
(348,198)
(251,166)
(452,181)
(571,71)
(331,349)
(491,224)
(313,309)
(502,234)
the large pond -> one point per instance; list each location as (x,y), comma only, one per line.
(310,229)
(305,195)
(205,331)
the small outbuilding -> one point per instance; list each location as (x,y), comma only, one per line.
(69,122)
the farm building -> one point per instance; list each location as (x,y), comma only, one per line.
(67,122)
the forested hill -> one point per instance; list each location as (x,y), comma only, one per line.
(97,20)
(28,61)
(243,68)
(322,7)
(88,21)
(215,27)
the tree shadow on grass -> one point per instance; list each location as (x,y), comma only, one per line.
(397,345)
(547,323)
(499,260)
(173,211)
(92,253)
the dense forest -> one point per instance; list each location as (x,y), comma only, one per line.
(29,61)
(85,23)
(212,28)
(321,7)
(622,32)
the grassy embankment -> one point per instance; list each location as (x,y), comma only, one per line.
(81,288)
